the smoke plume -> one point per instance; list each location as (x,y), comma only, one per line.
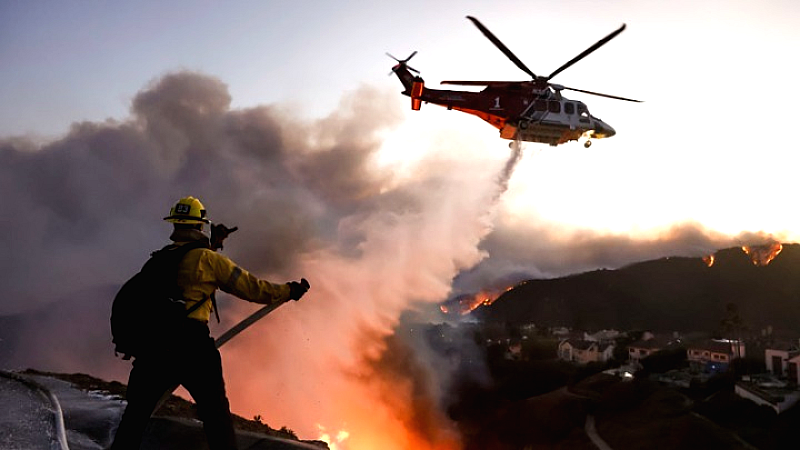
(311,199)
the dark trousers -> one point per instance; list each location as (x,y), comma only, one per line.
(192,361)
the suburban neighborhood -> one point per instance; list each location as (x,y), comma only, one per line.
(771,378)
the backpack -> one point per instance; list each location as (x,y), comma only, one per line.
(148,309)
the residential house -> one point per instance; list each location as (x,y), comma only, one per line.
(583,352)
(778,388)
(768,391)
(783,362)
(643,348)
(713,355)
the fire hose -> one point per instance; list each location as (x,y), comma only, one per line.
(225,337)
(246,322)
(58,414)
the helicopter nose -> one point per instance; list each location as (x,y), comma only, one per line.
(603,130)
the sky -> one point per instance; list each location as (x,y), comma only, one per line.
(66,62)
(284,119)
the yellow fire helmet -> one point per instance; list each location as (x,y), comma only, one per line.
(188,210)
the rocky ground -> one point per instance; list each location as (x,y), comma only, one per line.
(174,422)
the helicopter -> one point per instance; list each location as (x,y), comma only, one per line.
(531,111)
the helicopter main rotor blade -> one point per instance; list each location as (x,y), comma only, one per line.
(482,83)
(501,46)
(600,94)
(589,50)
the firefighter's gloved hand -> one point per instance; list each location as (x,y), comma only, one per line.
(298,288)
(218,234)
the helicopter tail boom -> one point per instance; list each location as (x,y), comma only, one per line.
(413,85)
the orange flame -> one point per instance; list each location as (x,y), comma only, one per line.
(709,260)
(335,442)
(761,255)
(466,304)
(386,404)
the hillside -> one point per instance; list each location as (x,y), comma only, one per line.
(669,294)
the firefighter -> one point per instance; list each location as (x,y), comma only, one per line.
(191,359)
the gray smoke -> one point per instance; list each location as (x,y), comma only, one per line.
(535,251)
(86,209)
(82,214)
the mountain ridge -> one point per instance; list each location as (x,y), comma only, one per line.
(666,294)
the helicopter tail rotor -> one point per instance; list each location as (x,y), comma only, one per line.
(403,62)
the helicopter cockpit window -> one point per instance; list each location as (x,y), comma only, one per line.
(540,105)
(554,106)
(583,112)
(569,108)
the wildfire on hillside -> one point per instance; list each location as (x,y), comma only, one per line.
(761,255)
(465,304)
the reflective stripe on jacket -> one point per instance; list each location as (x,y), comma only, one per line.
(202,271)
